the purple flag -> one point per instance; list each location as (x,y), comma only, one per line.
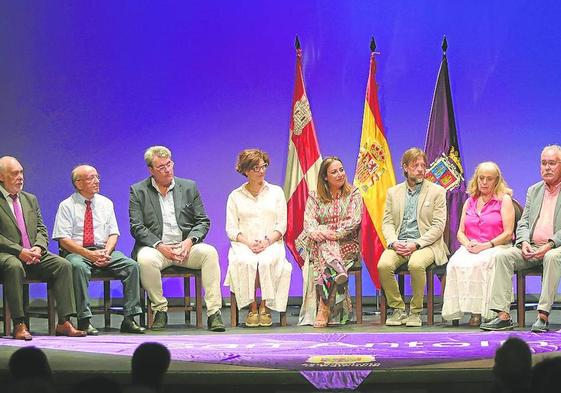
(443,152)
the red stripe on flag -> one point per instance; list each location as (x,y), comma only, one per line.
(372,95)
(371,246)
(295,219)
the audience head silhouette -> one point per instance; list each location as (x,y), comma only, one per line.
(546,375)
(149,365)
(513,366)
(30,362)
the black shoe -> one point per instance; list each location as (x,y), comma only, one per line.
(85,326)
(215,323)
(129,325)
(160,320)
(497,324)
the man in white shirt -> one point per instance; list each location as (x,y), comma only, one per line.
(87,231)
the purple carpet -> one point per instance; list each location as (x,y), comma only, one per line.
(328,360)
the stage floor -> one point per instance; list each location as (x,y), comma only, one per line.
(364,357)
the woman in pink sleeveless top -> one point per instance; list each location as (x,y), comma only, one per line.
(486,224)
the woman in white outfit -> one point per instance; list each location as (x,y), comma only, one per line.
(255,224)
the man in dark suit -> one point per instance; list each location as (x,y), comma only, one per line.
(23,251)
(168,222)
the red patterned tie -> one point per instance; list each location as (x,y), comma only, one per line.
(88,226)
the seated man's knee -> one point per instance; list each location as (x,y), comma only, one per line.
(386,262)
(552,256)
(12,267)
(146,257)
(208,251)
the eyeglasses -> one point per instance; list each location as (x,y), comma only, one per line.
(90,179)
(259,168)
(551,163)
(164,167)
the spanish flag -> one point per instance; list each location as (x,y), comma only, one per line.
(304,159)
(374,175)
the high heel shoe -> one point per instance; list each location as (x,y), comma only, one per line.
(322,317)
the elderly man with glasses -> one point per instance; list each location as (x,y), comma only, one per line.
(168,222)
(87,232)
(538,241)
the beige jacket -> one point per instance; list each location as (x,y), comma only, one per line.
(431,217)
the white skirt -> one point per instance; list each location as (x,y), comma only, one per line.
(274,275)
(469,279)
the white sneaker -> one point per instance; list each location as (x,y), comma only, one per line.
(397,318)
(414,320)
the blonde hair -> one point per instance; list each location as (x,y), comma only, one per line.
(249,158)
(411,155)
(501,187)
(160,151)
(323,187)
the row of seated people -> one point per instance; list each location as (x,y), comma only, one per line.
(168,223)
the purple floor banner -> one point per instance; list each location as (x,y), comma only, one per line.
(327,360)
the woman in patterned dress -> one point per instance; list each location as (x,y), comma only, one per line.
(255,224)
(329,245)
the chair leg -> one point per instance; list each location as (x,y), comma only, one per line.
(383,308)
(149,312)
(143,304)
(26,305)
(187,299)
(358,296)
(283,319)
(430,298)
(234,310)
(51,310)
(199,300)
(107,303)
(7,314)
(521,298)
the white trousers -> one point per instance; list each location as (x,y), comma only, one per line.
(202,256)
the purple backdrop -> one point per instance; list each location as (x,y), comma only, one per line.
(99,82)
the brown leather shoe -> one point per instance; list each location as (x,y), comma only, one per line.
(21,332)
(66,329)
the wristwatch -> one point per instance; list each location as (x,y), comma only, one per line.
(417,246)
(551,243)
(194,240)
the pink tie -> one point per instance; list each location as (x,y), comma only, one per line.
(21,222)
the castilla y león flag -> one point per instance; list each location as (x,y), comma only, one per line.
(374,175)
(304,159)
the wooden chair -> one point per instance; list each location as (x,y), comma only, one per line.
(521,291)
(186,274)
(356,272)
(431,271)
(50,315)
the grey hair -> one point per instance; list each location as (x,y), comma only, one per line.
(160,151)
(3,161)
(557,148)
(74,173)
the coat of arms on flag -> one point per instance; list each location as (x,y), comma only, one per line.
(370,165)
(444,171)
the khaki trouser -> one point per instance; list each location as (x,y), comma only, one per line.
(418,263)
(202,256)
(510,260)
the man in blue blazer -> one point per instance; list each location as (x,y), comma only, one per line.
(538,241)
(169,223)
